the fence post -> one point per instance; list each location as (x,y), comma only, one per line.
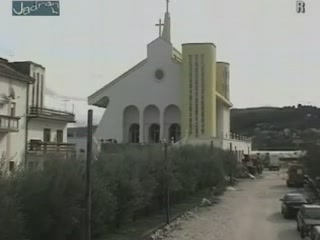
(88,177)
(167,182)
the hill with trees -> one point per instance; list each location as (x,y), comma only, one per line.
(275,128)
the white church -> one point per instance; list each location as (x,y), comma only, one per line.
(186,98)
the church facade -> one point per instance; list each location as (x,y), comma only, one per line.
(171,95)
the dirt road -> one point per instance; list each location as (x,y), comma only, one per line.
(250,212)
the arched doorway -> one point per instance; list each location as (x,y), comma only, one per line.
(130,118)
(171,116)
(151,116)
(134,133)
(154,133)
(174,132)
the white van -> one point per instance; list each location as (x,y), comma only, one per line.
(274,163)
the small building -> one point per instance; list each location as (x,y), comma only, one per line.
(78,137)
(47,127)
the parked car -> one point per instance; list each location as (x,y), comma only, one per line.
(308,216)
(314,234)
(291,203)
(296,176)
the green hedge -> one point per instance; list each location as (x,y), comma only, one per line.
(49,203)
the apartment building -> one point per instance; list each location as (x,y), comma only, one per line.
(40,131)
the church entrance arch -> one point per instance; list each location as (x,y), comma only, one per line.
(174,132)
(130,123)
(172,123)
(151,124)
(154,133)
(134,133)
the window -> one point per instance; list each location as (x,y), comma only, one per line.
(13,110)
(312,213)
(174,132)
(47,135)
(42,89)
(190,94)
(33,90)
(154,133)
(196,95)
(226,83)
(59,136)
(134,133)
(202,95)
(38,89)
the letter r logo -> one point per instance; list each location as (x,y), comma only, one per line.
(301,7)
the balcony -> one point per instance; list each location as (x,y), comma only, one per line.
(9,124)
(36,146)
(46,113)
(38,150)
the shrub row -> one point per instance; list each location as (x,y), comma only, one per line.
(49,203)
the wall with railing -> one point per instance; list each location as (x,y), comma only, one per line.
(50,147)
(238,144)
(8,123)
(51,114)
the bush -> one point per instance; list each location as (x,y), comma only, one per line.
(49,203)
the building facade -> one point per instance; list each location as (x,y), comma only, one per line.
(40,131)
(171,95)
(13,118)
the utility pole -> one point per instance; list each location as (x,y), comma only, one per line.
(167,182)
(88,177)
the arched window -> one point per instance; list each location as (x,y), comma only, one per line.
(154,133)
(174,132)
(134,133)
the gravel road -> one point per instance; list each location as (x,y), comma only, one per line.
(250,212)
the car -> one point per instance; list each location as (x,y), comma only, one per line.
(296,176)
(308,217)
(314,234)
(291,203)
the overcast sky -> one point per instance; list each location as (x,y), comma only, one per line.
(274,52)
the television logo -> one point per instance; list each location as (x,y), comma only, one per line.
(301,7)
(35,8)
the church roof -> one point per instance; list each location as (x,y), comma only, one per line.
(119,78)
(165,35)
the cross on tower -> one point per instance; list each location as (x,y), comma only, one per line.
(160,24)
